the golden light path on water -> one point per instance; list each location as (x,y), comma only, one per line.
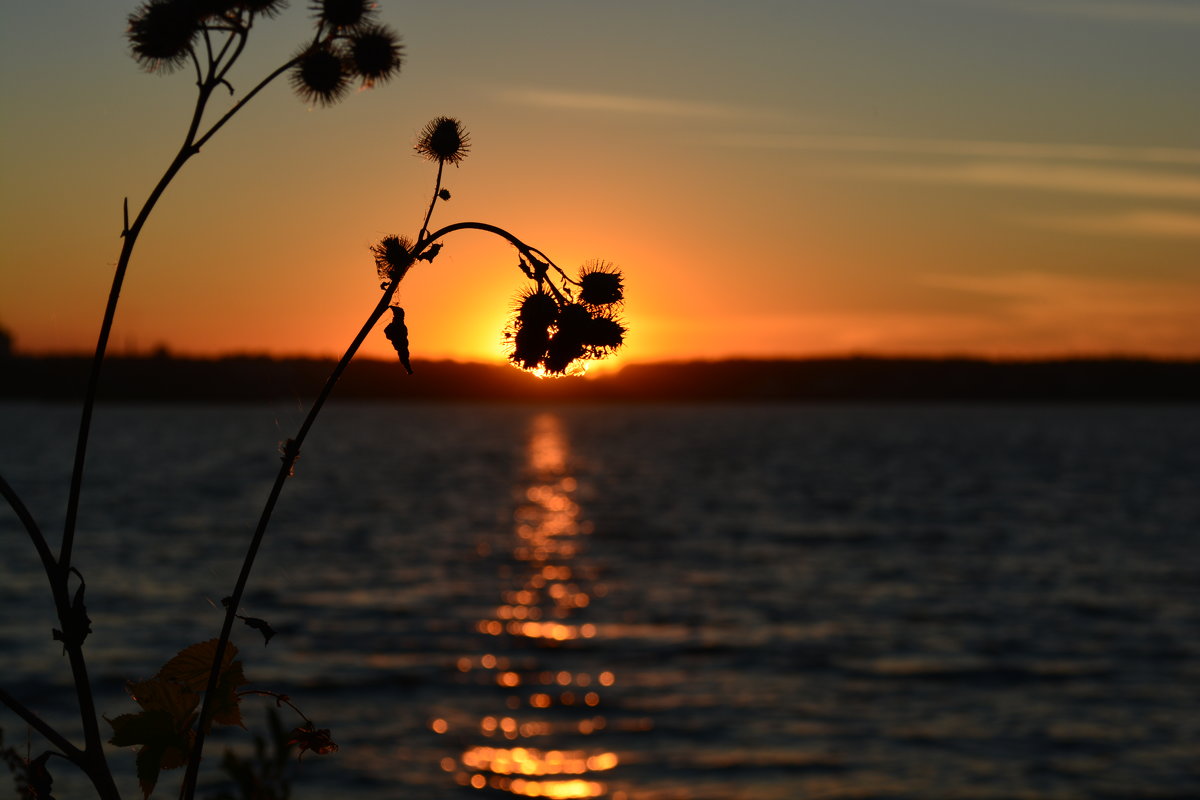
(547,592)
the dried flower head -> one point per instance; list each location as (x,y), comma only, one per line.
(603,335)
(311,738)
(204,9)
(319,75)
(376,54)
(268,8)
(564,349)
(343,13)
(529,344)
(161,33)
(443,140)
(548,335)
(537,307)
(600,284)
(393,257)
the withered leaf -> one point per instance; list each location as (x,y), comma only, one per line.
(226,708)
(141,728)
(157,694)
(260,625)
(164,742)
(397,333)
(40,783)
(192,665)
(309,738)
(77,624)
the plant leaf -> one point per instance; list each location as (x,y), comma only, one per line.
(157,694)
(141,728)
(226,708)
(149,764)
(192,665)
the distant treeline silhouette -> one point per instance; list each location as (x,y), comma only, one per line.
(163,378)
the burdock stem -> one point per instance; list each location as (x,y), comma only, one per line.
(95,765)
(291,452)
(437,187)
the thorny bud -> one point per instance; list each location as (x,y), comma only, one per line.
(443,140)
(161,33)
(376,54)
(537,307)
(393,257)
(268,8)
(343,13)
(548,334)
(529,346)
(604,335)
(444,194)
(319,75)
(600,284)
(205,9)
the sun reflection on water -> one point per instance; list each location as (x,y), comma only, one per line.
(537,746)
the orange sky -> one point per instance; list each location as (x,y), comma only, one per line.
(996,177)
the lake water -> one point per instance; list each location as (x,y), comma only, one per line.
(649,602)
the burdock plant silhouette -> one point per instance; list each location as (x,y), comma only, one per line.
(558,323)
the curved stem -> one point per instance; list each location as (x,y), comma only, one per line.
(478,226)
(31,526)
(290,454)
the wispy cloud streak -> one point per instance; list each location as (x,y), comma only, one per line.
(1151,223)
(1050,177)
(968,148)
(619,104)
(1179,12)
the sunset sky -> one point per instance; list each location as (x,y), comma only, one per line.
(776,178)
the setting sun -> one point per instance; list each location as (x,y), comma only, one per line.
(845,178)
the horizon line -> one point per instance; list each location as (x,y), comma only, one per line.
(864,355)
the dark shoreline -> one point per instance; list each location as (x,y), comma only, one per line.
(163,378)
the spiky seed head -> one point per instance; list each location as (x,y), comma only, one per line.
(268,8)
(204,9)
(563,349)
(574,319)
(603,335)
(161,33)
(443,140)
(537,307)
(376,54)
(601,284)
(343,14)
(319,76)
(393,257)
(529,345)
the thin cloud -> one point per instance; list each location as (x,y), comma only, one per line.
(1048,177)
(967,148)
(1181,12)
(1143,223)
(619,104)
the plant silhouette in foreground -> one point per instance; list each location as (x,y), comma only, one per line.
(558,322)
